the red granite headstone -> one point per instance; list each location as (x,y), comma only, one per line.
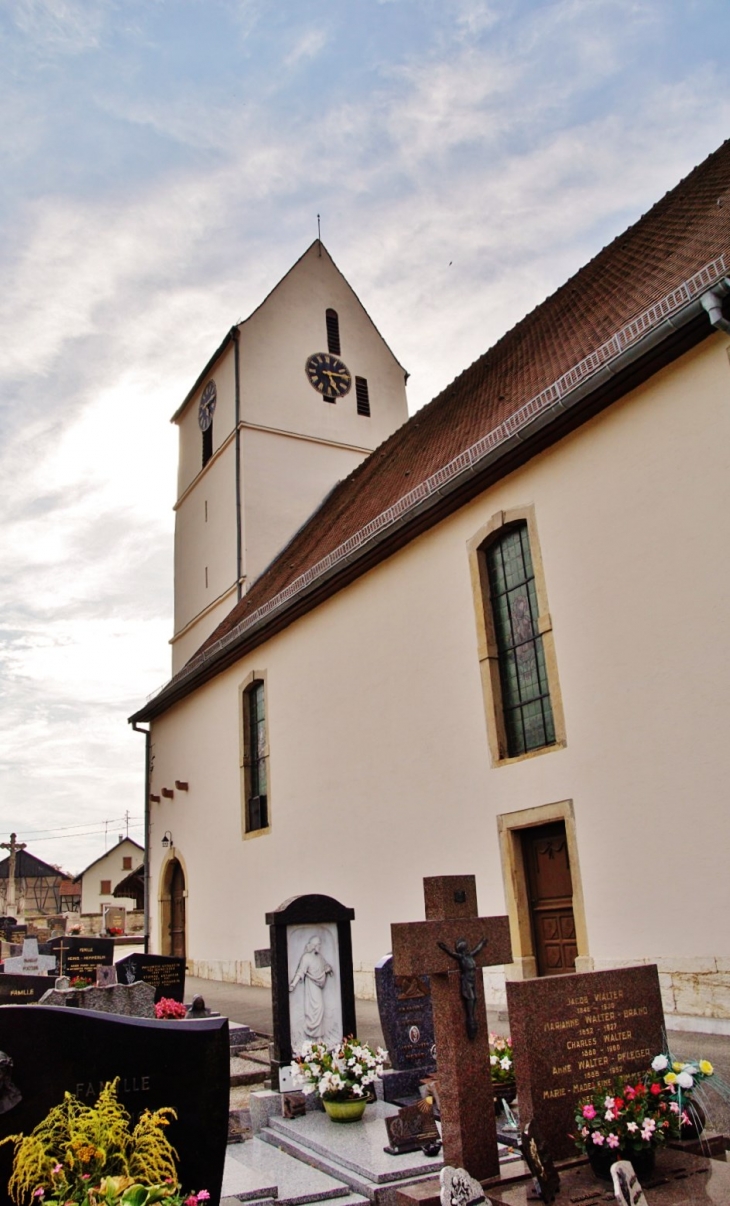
(571,1033)
(465,1088)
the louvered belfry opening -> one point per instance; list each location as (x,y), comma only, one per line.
(333,332)
(362,396)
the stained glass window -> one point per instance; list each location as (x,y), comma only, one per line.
(255,758)
(528,714)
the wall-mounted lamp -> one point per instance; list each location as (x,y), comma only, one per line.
(167,841)
(168,793)
(154,799)
(181,785)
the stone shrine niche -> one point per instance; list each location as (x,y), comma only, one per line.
(315,1005)
(312,984)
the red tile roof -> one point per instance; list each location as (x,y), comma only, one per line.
(683,232)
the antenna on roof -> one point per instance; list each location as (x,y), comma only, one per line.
(319,234)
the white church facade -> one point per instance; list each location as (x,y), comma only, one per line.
(489,639)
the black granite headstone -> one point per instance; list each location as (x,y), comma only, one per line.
(165,972)
(23,990)
(298,922)
(81,956)
(7,925)
(180,1064)
(539,1160)
(406,1017)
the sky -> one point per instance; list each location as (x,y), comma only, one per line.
(164,165)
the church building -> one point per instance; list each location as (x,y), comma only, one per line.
(487,639)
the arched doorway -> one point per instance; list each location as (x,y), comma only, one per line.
(173,910)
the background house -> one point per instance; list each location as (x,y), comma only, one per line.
(100,878)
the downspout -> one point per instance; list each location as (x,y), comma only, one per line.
(712,303)
(147,774)
(239,541)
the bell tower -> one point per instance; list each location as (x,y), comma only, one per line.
(295,397)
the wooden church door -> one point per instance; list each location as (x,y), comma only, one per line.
(177,910)
(550,895)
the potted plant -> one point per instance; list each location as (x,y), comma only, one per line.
(341,1074)
(502,1070)
(83,1155)
(679,1081)
(628,1120)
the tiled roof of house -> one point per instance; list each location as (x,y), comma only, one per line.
(27,866)
(689,227)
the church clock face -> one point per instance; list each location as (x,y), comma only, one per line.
(207,406)
(328,375)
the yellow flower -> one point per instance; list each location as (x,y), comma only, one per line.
(706,1067)
(677,1066)
(670,1078)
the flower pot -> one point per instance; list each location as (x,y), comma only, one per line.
(696,1115)
(345,1111)
(505,1090)
(601,1159)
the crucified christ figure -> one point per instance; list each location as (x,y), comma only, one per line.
(468,968)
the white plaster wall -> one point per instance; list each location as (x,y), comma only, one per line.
(201,542)
(379,766)
(188,642)
(277,340)
(110,866)
(285,480)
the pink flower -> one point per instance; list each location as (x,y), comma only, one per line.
(589,1111)
(191,1200)
(674,1107)
(39,1192)
(57,1168)
(612,1140)
(203,1195)
(597,1138)
(584,1131)
(86,1176)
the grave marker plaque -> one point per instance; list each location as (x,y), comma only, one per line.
(31,962)
(166,973)
(571,1033)
(406,1016)
(22,990)
(180,1064)
(82,956)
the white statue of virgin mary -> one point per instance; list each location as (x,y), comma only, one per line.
(312,971)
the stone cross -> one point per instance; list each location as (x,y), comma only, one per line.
(30,963)
(14,848)
(450,946)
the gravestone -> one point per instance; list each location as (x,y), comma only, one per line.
(115,918)
(571,1033)
(626,1187)
(458,1188)
(80,956)
(312,985)
(406,1018)
(106,976)
(22,990)
(451,947)
(7,925)
(180,1064)
(31,962)
(166,973)
(124,1000)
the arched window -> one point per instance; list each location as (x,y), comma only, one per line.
(333,332)
(255,758)
(516,646)
(526,706)
(207,444)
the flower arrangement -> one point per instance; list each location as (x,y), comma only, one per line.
(166,1007)
(677,1081)
(629,1116)
(79,982)
(501,1059)
(114,931)
(83,1155)
(342,1072)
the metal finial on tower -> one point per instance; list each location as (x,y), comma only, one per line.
(319,234)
